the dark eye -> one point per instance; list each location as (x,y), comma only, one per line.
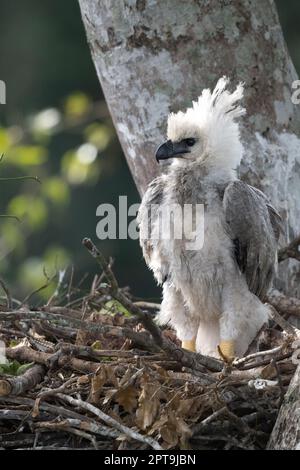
(190,141)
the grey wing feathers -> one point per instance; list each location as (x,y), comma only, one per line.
(254,226)
(275,218)
(146,219)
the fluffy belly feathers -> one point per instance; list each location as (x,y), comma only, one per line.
(200,275)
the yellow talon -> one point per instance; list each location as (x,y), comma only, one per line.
(226,350)
(190,345)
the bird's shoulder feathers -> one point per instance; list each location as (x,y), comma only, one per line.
(254,226)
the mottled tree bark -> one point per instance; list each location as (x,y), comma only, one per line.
(155,56)
(286,432)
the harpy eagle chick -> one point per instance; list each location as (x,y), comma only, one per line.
(212,296)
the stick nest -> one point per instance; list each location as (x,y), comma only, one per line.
(95,371)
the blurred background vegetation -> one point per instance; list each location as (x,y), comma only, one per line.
(56,126)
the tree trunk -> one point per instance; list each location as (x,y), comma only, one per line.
(286,432)
(153,57)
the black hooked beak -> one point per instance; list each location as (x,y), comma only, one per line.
(169,150)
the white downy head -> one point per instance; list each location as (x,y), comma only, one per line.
(209,127)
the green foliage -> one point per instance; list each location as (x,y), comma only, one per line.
(79,166)
(113,306)
(54,103)
(98,135)
(27,155)
(15,368)
(31,210)
(4,140)
(56,190)
(12,240)
(44,209)
(77,105)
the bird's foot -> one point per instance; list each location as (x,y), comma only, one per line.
(190,345)
(226,350)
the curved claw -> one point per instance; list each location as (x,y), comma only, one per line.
(226,350)
(190,345)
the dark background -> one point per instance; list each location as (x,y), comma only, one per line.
(44,59)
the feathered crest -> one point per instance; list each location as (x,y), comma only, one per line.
(212,119)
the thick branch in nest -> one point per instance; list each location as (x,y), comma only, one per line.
(139,338)
(286,305)
(25,354)
(285,325)
(22,383)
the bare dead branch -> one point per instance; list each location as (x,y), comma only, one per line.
(26,354)
(286,305)
(111,421)
(138,338)
(285,325)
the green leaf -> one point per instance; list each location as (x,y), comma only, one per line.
(29,155)
(24,367)
(14,368)
(31,273)
(56,258)
(11,368)
(5,141)
(34,209)
(12,237)
(77,105)
(113,307)
(77,170)
(98,135)
(56,190)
